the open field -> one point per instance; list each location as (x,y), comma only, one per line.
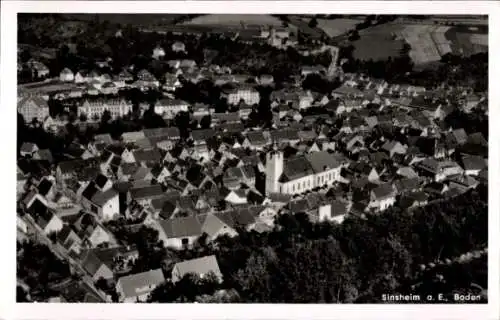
(336,27)
(429,42)
(377,47)
(235,20)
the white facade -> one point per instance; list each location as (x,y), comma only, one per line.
(55,224)
(249,96)
(117,108)
(110,209)
(66,75)
(274,169)
(168,109)
(325,214)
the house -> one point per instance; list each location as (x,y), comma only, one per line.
(200,266)
(169,108)
(144,195)
(109,88)
(158,52)
(438,170)
(462,182)
(407,185)
(336,211)
(473,164)
(172,83)
(92,232)
(178,47)
(137,287)
(91,263)
(28,149)
(217,224)
(265,80)
(393,147)
(32,108)
(69,240)
(414,200)
(255,140)
(382,197)
(101,201)
(236,197)
(38,69)
(66,75)
(179,233)
(44,217)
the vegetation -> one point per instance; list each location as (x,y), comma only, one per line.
(40,269)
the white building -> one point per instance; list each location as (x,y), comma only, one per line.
(96,108)
(168,108)
(301,173)
(178,47)
(158,53)
(248,94)
(66,75)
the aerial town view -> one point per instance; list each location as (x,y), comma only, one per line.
(252,158)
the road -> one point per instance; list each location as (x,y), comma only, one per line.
(76,266)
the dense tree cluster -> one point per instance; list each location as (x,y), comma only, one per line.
(40,269)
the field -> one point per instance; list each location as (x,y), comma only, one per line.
(235,20)
(428,41)
(377,47)
(336,27)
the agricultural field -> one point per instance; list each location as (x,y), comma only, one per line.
(337,27)
(235,20)
(377,47)
(429,42)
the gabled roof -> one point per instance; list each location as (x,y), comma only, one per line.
(474,162)
(296,168)
(139,283)
(151,191)
(322,160)
(383,191)
(198,266)
(101,198)
(181,227)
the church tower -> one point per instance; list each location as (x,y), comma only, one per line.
(274,169)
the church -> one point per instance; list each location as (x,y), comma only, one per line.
(300,173)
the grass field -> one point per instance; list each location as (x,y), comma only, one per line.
(235,20)
(336,27)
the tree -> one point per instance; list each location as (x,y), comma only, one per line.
(313,23)
(206,122)
(82,117)
(105,117)
(354,35)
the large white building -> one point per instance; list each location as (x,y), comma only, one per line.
(246,93)
(301,173)
(96,108)
(33,108)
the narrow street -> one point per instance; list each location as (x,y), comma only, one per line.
(43,239)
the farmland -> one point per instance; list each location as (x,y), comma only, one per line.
(235,20)
(336,27)
(429,41)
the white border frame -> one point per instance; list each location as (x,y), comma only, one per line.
(10,310)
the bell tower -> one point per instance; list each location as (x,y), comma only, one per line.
(274,169)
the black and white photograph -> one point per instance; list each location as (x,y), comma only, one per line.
(251,158)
